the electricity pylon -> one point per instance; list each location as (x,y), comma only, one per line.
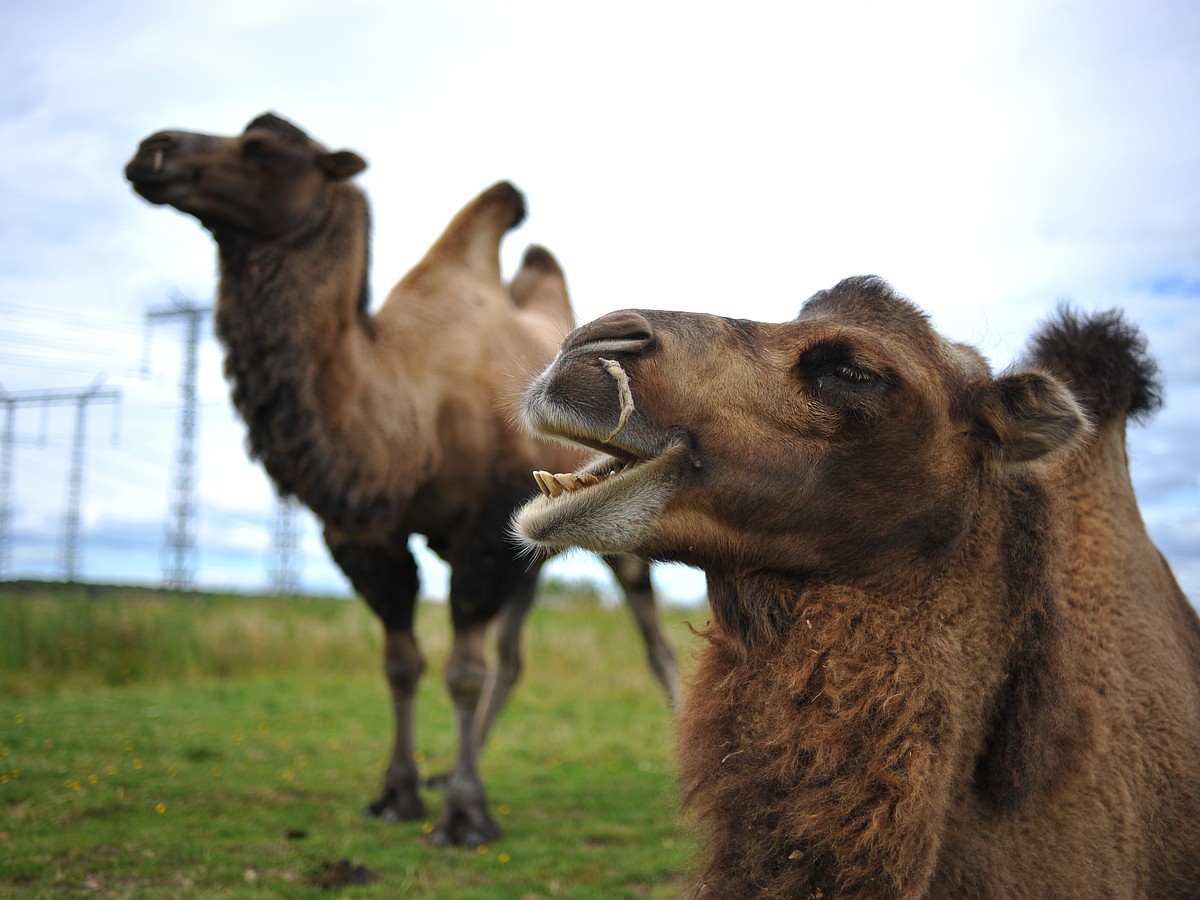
(179,551)
(283,568)
(70,554)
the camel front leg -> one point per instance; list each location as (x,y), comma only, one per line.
(465,820)
(387,580)
(398,800)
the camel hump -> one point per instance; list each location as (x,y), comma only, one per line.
(540,286)
(538,257)
(508,199)
(501,207)
(1104,360)
(473,236)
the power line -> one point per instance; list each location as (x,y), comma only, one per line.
(283,563)
(38,314)
(62,447)
(18,361)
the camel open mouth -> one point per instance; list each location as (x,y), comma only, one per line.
(600,470)
(607,506)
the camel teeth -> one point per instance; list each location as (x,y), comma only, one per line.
(158,157)
(553,486)
(548,483)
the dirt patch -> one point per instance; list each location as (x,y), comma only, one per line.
(343,873)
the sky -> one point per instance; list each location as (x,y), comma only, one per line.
(990,159)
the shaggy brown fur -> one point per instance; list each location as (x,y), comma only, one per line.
(392,423)
(945,658)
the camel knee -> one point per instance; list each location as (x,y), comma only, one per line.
(403,664)
(466,684)
(467,670)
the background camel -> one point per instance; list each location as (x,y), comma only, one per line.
(945,658)
(389,424)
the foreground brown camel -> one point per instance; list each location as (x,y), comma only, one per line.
(945,658)
(389,424)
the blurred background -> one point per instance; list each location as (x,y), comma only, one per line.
(990,159)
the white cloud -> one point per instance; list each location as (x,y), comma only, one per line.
(990,159)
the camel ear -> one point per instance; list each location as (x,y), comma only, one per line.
(342,164)
(1023,416)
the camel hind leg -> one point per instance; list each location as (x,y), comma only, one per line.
(507,671)
(634,577)
(388,582)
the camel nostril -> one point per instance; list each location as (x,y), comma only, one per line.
(151,158)
(624,331)
(158,143)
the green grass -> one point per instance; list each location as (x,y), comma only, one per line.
(157,746)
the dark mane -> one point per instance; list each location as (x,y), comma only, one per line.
(263,367)
(1036,719)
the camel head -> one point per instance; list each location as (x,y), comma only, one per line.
(851,441)
(264,182)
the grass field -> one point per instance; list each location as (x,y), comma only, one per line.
(155,745)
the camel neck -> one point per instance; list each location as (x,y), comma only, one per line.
(321,268)
(292,317)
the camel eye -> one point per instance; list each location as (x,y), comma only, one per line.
(847,380)
(833,362)
(835,375)
(257,150)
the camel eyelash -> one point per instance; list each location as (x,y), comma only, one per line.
(851,372)
(833,360)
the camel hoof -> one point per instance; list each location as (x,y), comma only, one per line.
(463,828)
(396,806)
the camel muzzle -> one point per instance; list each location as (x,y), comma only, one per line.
(160,171)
